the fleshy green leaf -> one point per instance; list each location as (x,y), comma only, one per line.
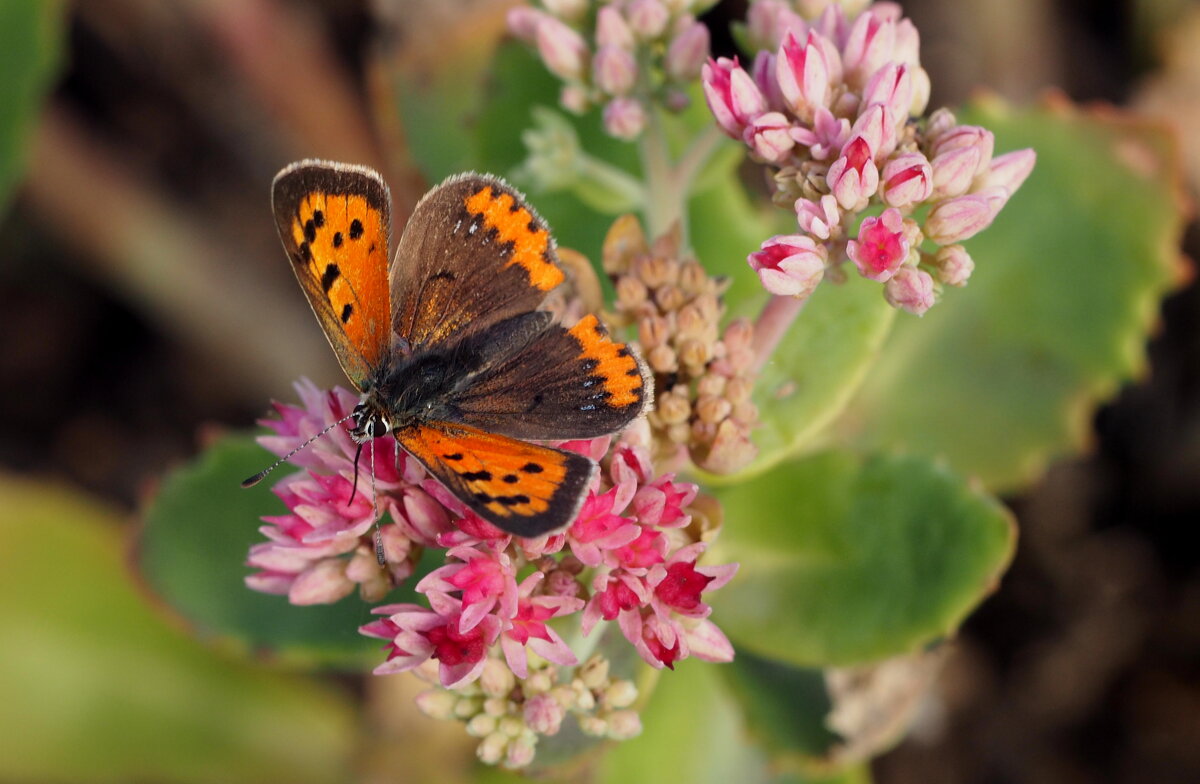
(98,687)
(847,560)
(1003,375)
(198,530)
(30,42)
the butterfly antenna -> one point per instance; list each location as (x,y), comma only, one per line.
(261,475)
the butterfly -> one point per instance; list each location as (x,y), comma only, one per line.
(449,346)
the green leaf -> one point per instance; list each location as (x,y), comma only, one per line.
(846,560)
(30,44)
(192,553)
(98,687)
(1003,375)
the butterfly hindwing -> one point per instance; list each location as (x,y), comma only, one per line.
(524,489)
(473,254)
(566,383)
(335,221)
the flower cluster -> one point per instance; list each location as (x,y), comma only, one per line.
(829,105)
(703,378)
(641,52)
(497,608)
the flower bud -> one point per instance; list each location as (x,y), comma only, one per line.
(769,21)
(769,138)
(789,265)
(687,52)
(612,29)
(523,22)
(1010,170)
(624,724)
(567,10)
(647,18)
(624,118)
(910,289)
(732,95)
(819,218)
(614,70)
(563,50)
(543,714)
(907,180)
(802,74)
(954,265)
(957,219)
(853,178)
(868,46)
(954,170)
(967,136)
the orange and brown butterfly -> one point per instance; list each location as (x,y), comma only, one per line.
(449,346)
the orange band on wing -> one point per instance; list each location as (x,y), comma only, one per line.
(530,243)
(615,364)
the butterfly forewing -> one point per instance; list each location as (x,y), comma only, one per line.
(335,221)
(473,254)
(522,488)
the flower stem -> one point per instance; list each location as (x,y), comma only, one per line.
(772,323)
(664,201)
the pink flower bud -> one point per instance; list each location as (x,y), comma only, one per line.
(1010,170)
(612,29)
(954,220)
(543,714)
(853,178)
(868,46)
(941,121)
(954,170)
(732,96)
(763,72)
(907,46)
(954,265)
(789,265)
(647,18)
(890,86)
(567,10)
(967,137)
(875,126)
(523,22)
(826,137)
(768,136)
(323,583)
(768,22)
(819,218)
(907,180)
(624,118)
(881,246)
(563,50)
(574,98)
(614,70)
(910,289)
(803,74)
(920,91)
(687,52)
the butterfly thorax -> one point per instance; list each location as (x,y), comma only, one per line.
(415,389)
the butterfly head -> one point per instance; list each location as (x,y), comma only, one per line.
(370,421)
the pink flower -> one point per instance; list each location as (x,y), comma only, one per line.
(970,137)
(910,289)
(415,635)
(732,96)
(789,265)
(957,219)
(528,630)
(907,180)
(1010,170)
(678,583)
(827,135)
(954,265)
(687,52)
(600,527)
(822,219)
(612,29)
(868,45)
(768,136)
(648,549)
(881,246)
(663,501)
(769,21)
(802,74)
(563,50)
(624,118)
(853,178)
(485,579)
(614,593)
(891,88)
(614,70)
(954,170)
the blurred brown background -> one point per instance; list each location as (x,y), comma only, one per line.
(145,300)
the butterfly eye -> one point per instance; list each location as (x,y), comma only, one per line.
(378,426)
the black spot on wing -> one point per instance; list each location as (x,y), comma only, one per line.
(310,230)
(477,476)
(318,218)
(356,229)
(532,468)
(332,273)
(347,311)
(337,239)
